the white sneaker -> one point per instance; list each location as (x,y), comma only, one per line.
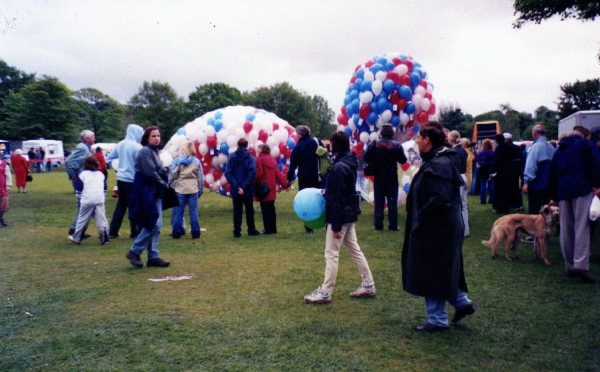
(72,240)
(318,296)
(368,291)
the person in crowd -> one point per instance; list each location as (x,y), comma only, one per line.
(149,187)
(40,154)
(31,155)
(341,213)
(384,155)
(20,166)
(74,166)
(126,152)
(267,171)
(432,264)
(240,173)
(536,178)
(466,145)
(486,160)
(575,172)
(454,142)
(5,185)
(508,164)
(102,161)
(91,202)
(305,159)
(187,178)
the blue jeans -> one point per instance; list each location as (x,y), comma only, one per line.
(148,238)
(436,308)
(191,200)
(486,188)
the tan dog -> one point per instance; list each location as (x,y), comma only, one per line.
(506,229)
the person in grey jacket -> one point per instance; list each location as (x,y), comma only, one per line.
(74,165)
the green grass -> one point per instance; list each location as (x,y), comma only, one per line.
(67,308)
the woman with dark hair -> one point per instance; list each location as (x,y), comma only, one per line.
(432,265)
(150,184)
(267,171)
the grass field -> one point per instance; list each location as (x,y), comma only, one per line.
(84,308)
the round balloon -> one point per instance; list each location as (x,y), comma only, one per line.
(309,204)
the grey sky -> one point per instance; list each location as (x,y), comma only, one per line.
(471,53)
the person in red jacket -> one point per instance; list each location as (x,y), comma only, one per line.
(267,171)
(102,160)
(21,168)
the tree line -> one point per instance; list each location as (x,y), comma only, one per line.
(34,107)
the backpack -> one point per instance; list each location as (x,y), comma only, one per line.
(324,159)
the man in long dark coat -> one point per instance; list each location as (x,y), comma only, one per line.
(432,265)
(508,165)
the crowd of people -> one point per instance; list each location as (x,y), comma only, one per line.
(437,220)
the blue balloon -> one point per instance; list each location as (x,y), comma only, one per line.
(309,204)
(395,121)
(218,115)
(353,95)
(218,124)
(415,78)
(224,148)
(181,131)
(348,131)
(381,105)
(406,187)
(360,74)
(211,121)
(403,57)
(389,66)
(365,86)
(347,100)
(291,143)
(250,116)
(222,191)
(405,92)
(357,84)
(355,119)
(388,86)
(372,118)
(376,68)
(416,129)
(381,60)
(410,108)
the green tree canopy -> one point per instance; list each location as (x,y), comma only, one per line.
(41,109)
(11,80)
(453,118)
(324,117)
(549,118)
(210,97)
(157,104)
(581,95)
(536,11)
(100,113)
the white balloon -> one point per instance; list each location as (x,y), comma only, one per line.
(366,97)
(115,164)
(404,118)
(351,125)
(232,150)
(425,104)
(239,133)
(416,99)
(420,90)
(282,135)
(405,180)
(253,136)
(401,69)
(209,178)
(222,136)
(377,86)
(380,75)
(364,137)
(272,142)
(231,141)
(202,137)
(215,162)
(386,116)
(165,158)
(368,76)
(210,131)
(203,148)
(401,197)
(373,136)
(222,159)
(275,152)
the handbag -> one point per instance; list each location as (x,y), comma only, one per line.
(261,189)
(29,178)
(595,209)
(170,199)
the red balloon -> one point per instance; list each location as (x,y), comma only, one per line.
(405,80)
(282,147)
(369,63)
(342,119)
(248,127)
(290,130)
(211,142)
(217,174)
(408,64)
(428,95)
(275,126)
(423,83)
(344,111)
(356,68)
(393,76)
(431,109)
(252,151)
(401,104)
(422,117)
(353,79)
(364,111)
(396,61)
(262,135)
(405,166)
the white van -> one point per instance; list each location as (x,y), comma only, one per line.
(53,149)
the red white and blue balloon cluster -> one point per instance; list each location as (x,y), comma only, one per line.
(215,136)
(388,89)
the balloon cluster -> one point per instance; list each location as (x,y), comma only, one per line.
(387,89)
(215,135)
(309,205)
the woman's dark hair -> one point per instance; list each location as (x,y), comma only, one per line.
(340,142)
(147,132)
(265,148)
(435,132)
(91,163)
(387,131)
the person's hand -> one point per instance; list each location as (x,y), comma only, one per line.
(525,189)
(240,191)
(337,234)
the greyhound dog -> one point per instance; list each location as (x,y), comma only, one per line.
(505,230)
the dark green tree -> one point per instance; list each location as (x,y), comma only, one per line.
(581,95)
(11,80)
(536,11)
(324,116)
(453,118)
(157,104)
(549,118)
(210,97)
(100,113)
(286,102)
(41,109)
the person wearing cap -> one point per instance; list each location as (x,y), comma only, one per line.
(508,163)
(304,158)
(536,178)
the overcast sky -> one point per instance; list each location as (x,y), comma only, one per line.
(472,55)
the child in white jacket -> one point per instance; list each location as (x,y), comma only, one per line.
(92,202)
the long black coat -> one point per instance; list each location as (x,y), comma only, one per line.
(432,263)
(508,165)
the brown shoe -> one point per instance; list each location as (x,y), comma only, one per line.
(134,259)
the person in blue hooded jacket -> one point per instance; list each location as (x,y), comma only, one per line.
(240,173)
(126,151)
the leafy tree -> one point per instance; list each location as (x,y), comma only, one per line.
(100,113)
(41,109)
(511,121)
(157,104)
(549,118)
(581,95)
(210,97)
(536,11)
(287,103)
(11,80)
(453,118)
(324,116)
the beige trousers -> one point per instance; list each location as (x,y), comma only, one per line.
(332,256)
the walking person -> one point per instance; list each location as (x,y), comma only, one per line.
(20,166)
(5,185)
(268,172)
(432,264)
(454,141)
(150,185)
(91,202)
(74,166)
(126,152)
(240,173)
(341,214)
(187,179)
(383,157)
(538,165)
(304,158)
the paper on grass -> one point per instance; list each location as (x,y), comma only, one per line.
(171,278)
